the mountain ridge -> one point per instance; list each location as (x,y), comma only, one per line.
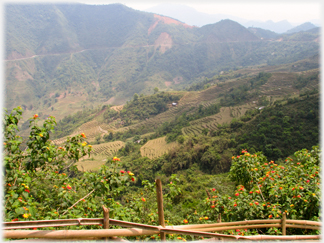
(95,55)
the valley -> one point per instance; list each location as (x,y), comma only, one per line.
(103,100)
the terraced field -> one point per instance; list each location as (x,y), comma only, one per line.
(107,149)
(211,122)
(156,148)
(117,108)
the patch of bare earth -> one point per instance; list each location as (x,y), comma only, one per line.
(164,41)
(166,20)
(22,75)
(16,55)
(168,83)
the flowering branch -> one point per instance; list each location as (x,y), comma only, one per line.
(78,201)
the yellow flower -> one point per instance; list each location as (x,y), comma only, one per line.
(90,146)
(84,144)
(25,215)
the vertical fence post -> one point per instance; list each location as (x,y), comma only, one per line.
(160,206)
(219,220)
(106,219)
(283,223)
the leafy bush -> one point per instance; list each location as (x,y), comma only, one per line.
(42,182)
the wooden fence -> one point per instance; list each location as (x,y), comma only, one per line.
(17,230)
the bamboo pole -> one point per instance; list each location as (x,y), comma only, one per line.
(80,234)
(105,219)
(258,221)
(302,226)
(305,222)
(72,222)
(255,226)
(159,195)
(219,220)
(283,224)
(285,237)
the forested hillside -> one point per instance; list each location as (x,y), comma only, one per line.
(62,58)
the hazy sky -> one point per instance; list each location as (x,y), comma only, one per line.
(293,11)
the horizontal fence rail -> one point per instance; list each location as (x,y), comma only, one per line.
(137,229)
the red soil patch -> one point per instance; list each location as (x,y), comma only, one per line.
(165,41)
(168,83)
(166,20)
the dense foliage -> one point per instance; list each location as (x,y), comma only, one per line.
(43,183)
(281,129)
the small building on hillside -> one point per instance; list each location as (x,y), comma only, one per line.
(174,104)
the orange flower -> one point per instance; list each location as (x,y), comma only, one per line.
(68,187)
(185,221)
(35,116)
(235,205)
(143,199)
(83,135)
(237,194)
(206,217)
(133,179)
(212,206)
(270,216)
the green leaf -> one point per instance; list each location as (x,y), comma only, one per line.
(20,211)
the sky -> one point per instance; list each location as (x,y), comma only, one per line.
(293,11)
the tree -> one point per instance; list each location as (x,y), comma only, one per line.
(135,97)
(156,89)
(42,181)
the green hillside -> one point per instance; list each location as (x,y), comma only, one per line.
(62,58)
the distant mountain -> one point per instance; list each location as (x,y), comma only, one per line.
(278,27)
(193,17)
(307,35)
(226,30)
(83,55)
(263,34)
(189,15)
(302,27)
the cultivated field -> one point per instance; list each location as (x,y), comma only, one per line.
(156,148)
(99,155)
(225,115)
